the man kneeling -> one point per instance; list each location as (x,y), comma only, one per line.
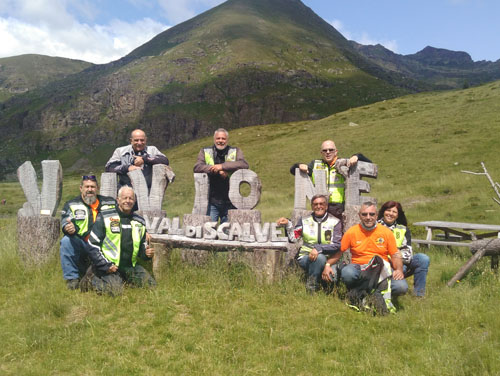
(373,251)
(117,239)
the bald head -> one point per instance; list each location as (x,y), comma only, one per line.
(138,140)
(328,151)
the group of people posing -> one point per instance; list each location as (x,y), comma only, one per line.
(114,237)
(381,256)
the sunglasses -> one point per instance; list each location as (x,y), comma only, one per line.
(328,150)
(368,214)
(89,177)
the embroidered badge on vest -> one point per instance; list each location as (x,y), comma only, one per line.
(80,214)
(114,225)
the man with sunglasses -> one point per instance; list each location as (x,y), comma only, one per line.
(367,240)
(335,181)
(77,218)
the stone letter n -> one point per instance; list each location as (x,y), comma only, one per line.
(305,189)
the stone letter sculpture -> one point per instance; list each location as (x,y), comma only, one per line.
(37,228)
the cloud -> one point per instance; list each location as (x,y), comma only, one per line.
(55,32)
(364,38)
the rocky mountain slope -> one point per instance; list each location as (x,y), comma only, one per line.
(439,67)
(244,62)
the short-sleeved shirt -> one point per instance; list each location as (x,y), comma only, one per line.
(365,244)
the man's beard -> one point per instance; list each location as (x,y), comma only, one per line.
(89,200)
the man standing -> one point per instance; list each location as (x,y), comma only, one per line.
(335,181)
(367,240)
(321,233)
(77,218)
(135,156)
(117,239)
(219,162)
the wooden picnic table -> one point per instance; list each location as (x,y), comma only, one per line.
(459,230)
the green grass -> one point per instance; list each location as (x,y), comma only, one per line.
(218,319)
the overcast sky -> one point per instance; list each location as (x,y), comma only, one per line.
(100,31)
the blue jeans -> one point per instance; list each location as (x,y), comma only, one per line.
(419,266)
(314,268)
(216,211)
(351,276)
(72,252)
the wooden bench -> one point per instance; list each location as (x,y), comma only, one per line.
(455,232)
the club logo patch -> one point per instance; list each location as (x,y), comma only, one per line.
(80,214)
(379,241)
(114,225)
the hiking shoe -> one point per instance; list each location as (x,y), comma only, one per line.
(72,284)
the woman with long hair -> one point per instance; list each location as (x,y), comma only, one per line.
(392,215)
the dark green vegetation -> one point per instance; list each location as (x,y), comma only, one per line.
(245,62)
(444,69)
(242,63)
(19,74)
(219,320)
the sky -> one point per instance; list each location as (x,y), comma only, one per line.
(100,31)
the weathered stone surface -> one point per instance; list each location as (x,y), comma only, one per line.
(266,263)
(202,190)
(160,258)
(355,186)
(37,237)
(26,175)
(195,257)
(245,176)
(37,229)
(51,187)
(305,189)
(151,200)
(109,182)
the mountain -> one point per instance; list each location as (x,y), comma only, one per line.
(244,62)
(442,68)
(18,74)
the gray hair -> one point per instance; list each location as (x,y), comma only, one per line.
(368,204)
(123,188)
(221,130)
(325,197)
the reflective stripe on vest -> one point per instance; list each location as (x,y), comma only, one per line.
(316,232)
(335,182)
(399,233)
(209,156)
(112,242)
(83,223)
(77,215)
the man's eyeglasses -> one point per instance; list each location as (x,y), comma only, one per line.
(328,150)
(89,177)
(368,214)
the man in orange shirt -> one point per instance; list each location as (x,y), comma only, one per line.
(366,240)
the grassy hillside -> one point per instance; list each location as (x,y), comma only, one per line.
(219,320)
(19,74)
